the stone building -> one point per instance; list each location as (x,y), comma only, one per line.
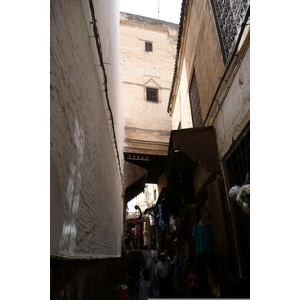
(209,147)
(86,144)
(147,56)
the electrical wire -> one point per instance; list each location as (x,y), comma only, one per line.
(99,49)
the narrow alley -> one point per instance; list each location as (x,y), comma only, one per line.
(149,151)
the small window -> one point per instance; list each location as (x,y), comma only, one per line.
(195,103)
(148,47)
(152,94)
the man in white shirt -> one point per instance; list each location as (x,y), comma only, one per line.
(162,274)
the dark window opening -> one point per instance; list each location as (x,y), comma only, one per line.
(195,103)
(152,94)
(237,166)
(148,47)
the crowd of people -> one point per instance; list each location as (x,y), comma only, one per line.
(156,275)
(150,274)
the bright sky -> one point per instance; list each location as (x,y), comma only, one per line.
(169,10)
(131,204)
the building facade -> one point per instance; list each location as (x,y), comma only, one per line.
(209,147)
(147,55)
(86,144)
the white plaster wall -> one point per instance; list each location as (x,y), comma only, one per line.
(87,190)
(182,108)
(235,110)
(107,12)
(200,50)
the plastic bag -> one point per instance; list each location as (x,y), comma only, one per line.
(239,201)
(234,191)
(245,193)
(246,208)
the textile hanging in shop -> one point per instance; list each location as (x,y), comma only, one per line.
(156,216)
(138,227)
(203,236)
(159,223)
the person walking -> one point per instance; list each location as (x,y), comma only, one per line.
(155,252)
(144,288)
(162,274)
(150,264)
(145,253)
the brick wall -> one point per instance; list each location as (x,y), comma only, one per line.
(86,190)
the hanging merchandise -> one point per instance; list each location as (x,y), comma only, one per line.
(160,216)
(246,208)
(159,223)
(245,193)
(156,216)
(242,196)
(168,238)
(234,191)
(203,234)
(172,224)
(239,201)
(138,231)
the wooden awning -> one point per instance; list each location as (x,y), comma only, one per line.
(134,180)
(192,146)
(140,169)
